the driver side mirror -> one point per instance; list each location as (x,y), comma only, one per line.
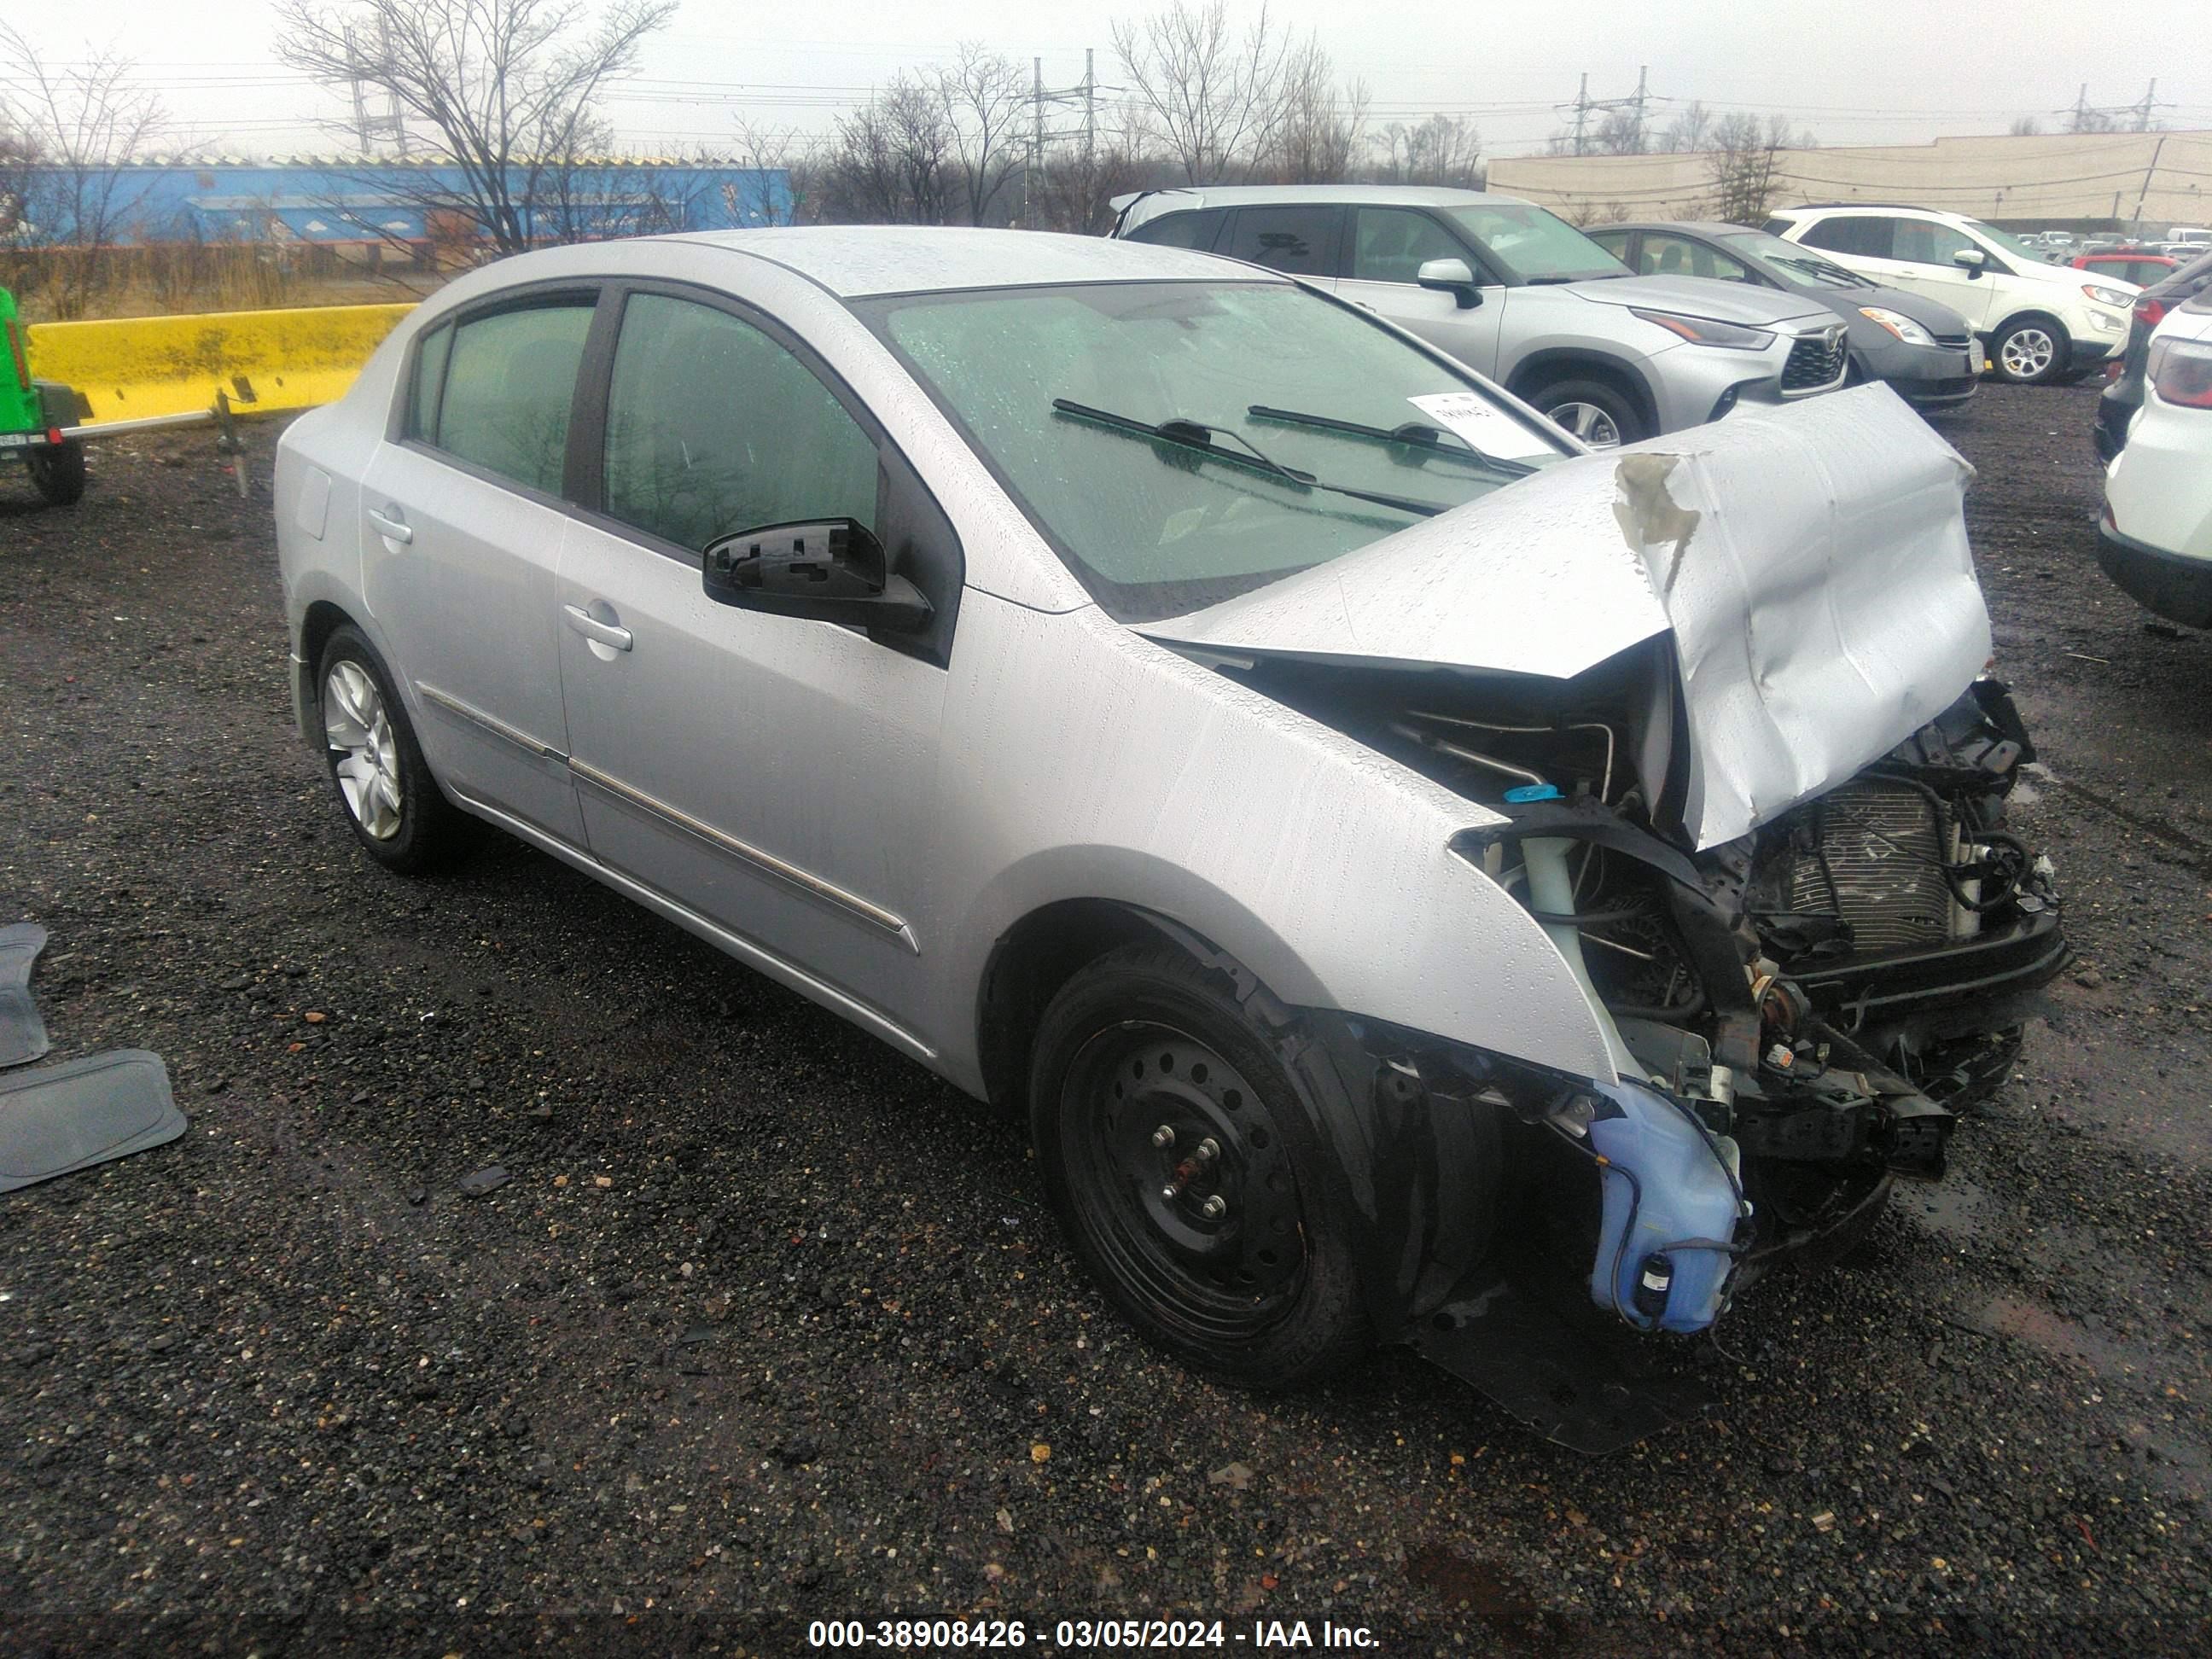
(1970,260)
(825,570)
(1452,276)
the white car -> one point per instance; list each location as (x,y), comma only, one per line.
(2041,321)
(2156,537)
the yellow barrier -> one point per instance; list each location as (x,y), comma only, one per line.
(131,367)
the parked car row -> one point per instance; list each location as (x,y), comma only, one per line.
(2040,322)
(2155,432)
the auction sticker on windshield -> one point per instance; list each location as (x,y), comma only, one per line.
(1471,415)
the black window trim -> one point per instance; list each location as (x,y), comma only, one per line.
(529,296)
(897,475)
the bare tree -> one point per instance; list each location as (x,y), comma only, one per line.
(984,96)
(1318,124)
(503,90)
(1444,149)
(892,160)
(1744,166)
(1691,130)
(1213,98)
(765,152)
(77,132)
(2027,126)
(1076,190)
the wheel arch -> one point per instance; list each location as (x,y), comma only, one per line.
(1539,368)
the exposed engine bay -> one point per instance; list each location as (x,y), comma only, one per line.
(1795,1014)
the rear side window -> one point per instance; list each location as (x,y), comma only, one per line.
(712,428)
(1300,241)
(1190,229)
(1865,236)
(508,381)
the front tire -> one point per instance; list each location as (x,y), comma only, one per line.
(392,803)
(57,472)
(2031,350)
(1185,1169)
(1594,411)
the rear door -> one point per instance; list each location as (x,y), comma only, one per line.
(768,772)
(464,520)
(1300,240)
(1386,248)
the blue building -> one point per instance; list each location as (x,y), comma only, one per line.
(335,201)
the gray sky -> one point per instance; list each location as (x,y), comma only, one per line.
(1866,71)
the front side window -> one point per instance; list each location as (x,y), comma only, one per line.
(508,382)
(713,426)
(1391,245)
(1924,242)
(1049,383)
(1300,241)
(1867,236)
(1532,244)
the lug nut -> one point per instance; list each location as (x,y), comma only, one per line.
(1164,1135)
(1215,1208)
(1172,1191)
(1206,1151)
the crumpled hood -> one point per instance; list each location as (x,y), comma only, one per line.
(1703,296)
(1811,562)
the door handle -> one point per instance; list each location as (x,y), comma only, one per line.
(391,527)
(593,629)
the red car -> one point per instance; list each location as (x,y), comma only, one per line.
(2141,268)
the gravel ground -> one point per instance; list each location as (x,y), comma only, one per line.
(769,1325)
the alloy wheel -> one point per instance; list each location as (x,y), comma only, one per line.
(2028,353)
(1593,425)
(364,755)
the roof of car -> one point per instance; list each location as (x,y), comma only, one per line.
(853,261)
(1867,207)
(1395,194)
(1694,227)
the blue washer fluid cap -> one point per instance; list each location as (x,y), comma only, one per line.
(1522,794)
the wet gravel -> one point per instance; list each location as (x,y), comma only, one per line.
(758,1322)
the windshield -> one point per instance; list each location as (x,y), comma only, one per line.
(1798,261)
(1533,245)
(2010,243)
(1179,443)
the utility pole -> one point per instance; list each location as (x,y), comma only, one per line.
(1036,141)
(368,128)
(1090,106)
(1582,111)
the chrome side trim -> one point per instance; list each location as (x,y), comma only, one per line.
(499,728)
(865,1015)
(806,880)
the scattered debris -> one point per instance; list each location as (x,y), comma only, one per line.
(483,1181)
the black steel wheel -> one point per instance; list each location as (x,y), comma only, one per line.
(1185,1168)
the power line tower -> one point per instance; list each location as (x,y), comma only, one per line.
(2086,116)
(1084,93)
(368,127)
(1584,106)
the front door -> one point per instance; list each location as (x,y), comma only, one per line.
(768,772)
(460,538)
(1389,245)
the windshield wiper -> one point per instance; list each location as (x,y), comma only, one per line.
(1198,436)
(1413,434)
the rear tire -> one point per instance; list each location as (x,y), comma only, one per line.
(2031,350)
(1260,1291)
(393,805)
(1594,411)
(57,472)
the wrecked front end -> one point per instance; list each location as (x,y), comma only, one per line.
(1744,768)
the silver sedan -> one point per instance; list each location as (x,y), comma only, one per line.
(1401,867)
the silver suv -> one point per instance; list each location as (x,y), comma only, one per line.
(1518,294)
